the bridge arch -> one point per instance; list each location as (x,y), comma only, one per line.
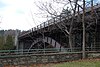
(48,40)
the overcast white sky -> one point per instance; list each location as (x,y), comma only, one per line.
(16,14)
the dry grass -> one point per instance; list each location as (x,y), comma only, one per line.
(80,63)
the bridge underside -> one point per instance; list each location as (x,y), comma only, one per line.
(55,35)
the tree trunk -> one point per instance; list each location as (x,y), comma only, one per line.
(71,25)
(70,40)
(83,21)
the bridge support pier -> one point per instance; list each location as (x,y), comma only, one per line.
(21,47)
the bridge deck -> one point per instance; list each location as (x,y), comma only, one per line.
(51,21)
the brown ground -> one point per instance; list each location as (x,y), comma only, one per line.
(51,64)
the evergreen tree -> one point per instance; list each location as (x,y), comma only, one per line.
(9,43)
(6,43)
(1,42)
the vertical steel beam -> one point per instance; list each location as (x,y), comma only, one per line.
(43,37)
(55,43)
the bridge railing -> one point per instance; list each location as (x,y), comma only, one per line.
(57,19)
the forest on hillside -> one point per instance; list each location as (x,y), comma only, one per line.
(7,39)
(6,43)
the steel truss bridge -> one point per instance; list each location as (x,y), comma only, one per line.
(57,32)
(58,39)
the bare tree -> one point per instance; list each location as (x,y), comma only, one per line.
(53,9)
